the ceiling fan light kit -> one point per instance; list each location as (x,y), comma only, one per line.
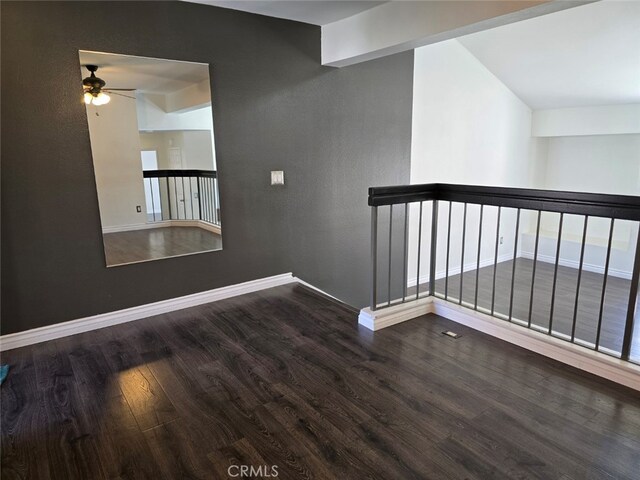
(94,91)
(96,99)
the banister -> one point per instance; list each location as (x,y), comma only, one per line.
(561,323)
(623,207)
(179,173)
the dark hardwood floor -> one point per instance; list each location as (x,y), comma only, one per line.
(153,243)
(285,377)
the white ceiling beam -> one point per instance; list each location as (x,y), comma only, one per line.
(395,27)
(596,120)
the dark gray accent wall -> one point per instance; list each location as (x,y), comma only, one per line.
(334,132)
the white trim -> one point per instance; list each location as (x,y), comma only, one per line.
(624,373)
(589,267)
(455,270)
(600,364)
(135,226)
(308,285)
(162,224)
(72,327)
(378,319)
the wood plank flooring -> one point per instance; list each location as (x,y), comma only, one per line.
(153,243)
(285,377)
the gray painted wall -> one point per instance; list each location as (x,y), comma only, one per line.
(335,132)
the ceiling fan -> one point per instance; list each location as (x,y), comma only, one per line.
(94,91)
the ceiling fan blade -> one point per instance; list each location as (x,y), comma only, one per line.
(119,89)
(121,95)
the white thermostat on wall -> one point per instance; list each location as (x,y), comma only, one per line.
(277,177)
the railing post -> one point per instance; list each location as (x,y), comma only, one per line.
(406,252)
(374,256)
(434,247)
(631,309)
(390,255)
(199,199)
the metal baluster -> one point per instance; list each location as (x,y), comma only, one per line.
(168,197)
(535,261)
(199,198)
(575,306)
(513,271)
(434,247)
(214,213)
(175,193)
(205,181)
(389,271)
(419,251)
(446,267)
(193,217)
(495,263)
(631,309)
(475,303)
(406,252)
(464,233)
(212,202)
(604,283)
(374,257)
(184,201)
(153,208)
(216,199)
(555,274)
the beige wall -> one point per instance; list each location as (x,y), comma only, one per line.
(115,145)
(195,146)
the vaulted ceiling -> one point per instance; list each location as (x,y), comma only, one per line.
(588,55)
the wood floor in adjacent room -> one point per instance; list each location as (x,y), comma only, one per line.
(133,246)
(285,377)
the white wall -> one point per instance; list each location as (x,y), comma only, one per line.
(115,146)
(468,128)
(195,146)
(598,163)
(152,115)
(193,97)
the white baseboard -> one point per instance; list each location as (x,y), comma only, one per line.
(378,319)
(72,327)
(162,224)
(455,270)
(308,285)
(588,267)
(624,373)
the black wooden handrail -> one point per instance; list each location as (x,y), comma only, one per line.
(623,207)
(179,173)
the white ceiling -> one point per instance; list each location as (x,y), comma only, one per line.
(583,56)
(149,75)
(307,11)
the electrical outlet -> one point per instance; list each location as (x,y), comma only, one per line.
(501,240)
(138,209)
